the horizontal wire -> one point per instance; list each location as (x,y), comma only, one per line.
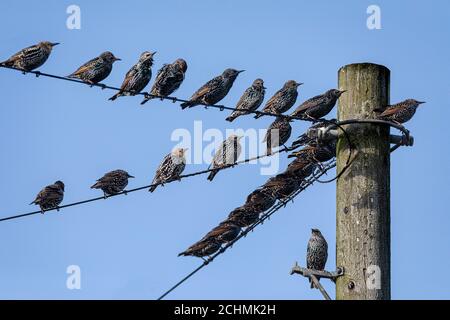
(148,95)
(264,217)
(125,192)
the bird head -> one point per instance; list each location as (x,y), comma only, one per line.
(258,83)
(335,92)
(109,57)
(235,137)
(231,73)
(180,152)
(60,184)
(147,56)
(181,63)
(48,45)
(414,102)
(128,175)
(292,84)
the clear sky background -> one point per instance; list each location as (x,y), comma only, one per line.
(127,246)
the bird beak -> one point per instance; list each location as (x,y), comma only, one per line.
(342,91)
(264,87)
(130,176)
(299,84)
(154,53)
(241,71)
(55,44)
(117,59)
(421,102)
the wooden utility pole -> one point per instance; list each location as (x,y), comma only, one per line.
(363,191)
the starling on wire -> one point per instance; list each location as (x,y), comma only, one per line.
(227,154)
(278,133)
(168,80)
(250,100)
(401,112)
(214,90)
(316,253)
(50,197)
(317,153)
(318,106)
(301,168)
(282,185)
(112,182)
(304,140)
(225,232)
(97,69)
(282,100)
(202,248)
(243,216)
(259,200)
(32,57)
(137,77)
(170,168)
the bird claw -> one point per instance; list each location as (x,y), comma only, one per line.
(125,192)
(38,73)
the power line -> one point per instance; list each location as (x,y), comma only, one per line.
(125,192)
(148,95)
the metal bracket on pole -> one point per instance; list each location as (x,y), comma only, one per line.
(315,275)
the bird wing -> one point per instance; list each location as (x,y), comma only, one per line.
(390,111)
(128,77)
(85,67)
(206,88)
(310,103)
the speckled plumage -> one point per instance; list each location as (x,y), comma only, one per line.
(225,232)
(401,112)
(168,79)
(259,200)
(227,154)
(170,168)
(301,168)
(282,100)
(282,185)
(318,106)
(112,182)
(214,90)
(97,69)
(137,77)
(50,197)
(31,57)
(317,252)
(202,248)
(243,216)
(277,134)
(250,100)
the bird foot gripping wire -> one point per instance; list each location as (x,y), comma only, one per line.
(315,275)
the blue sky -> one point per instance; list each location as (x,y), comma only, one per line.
(127,246)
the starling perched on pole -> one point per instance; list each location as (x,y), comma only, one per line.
(401,112)
(282,185)
(282,100)
(168,79)
(319,106)
(113,182)
(243,216)
(32,57)
(250,100)
(225,232)
(226,155)
(316,253)
(97,69)
(278,133)
(214,90)
(170,168)
(202,248)
(50,197)
(137,77)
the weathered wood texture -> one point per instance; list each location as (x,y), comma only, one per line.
(363,192)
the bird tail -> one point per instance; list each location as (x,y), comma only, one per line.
(269,151)
(152,188)
(212,175)
(114,97)
(230,118)
(259,115)
(33,202)
(146,100)
(188,104)
(313,286)
(8,63)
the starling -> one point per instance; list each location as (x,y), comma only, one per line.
(137,77)
(318,106)
(304,140)
(282,100)
(250,100)
(401,112)
(301,168)
(278,133)
(170,168)
(169,79)
(202,248)
(243,216)
(227,154)
(32,57)
(225,232)
(317,153)
(97,69)
(113,182)
(214,90)
(317,252)
(50,197)
(282,185)
(260,200)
